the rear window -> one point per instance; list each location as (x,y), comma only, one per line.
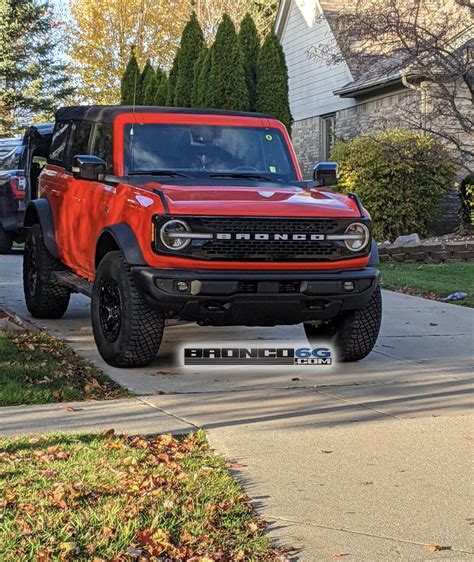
(59,143)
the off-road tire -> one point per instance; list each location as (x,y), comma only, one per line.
(352,333)
(45,297)
(6,241)
(133,339)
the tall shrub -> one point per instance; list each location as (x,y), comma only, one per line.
(400,176)
(171,84)
(161,93)
(227,84)
(190,49)
(147,84)
(197,71)
(272,81)
(250,47)
(130,83)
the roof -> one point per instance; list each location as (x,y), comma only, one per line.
(107,113)
(39,132)
(381,72)
(372,73)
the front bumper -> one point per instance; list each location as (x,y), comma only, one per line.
(255,298)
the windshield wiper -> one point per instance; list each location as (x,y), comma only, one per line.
(157,173)
(245,175)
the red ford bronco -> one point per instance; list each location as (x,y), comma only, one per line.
(198,215)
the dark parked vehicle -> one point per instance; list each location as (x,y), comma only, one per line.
(20,168)
(7,146)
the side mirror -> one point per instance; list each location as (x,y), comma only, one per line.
(326,174)
(87,167)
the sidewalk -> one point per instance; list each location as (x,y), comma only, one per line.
(370,460)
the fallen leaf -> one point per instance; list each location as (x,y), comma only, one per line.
(56,394)
(49,473)
(339,555)
(68,409)
(327,452)
(433,548)
(234,465)
(108,433)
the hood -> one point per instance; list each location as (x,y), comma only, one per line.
(272,200)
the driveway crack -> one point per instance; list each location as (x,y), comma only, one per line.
(354,532)
(167,412)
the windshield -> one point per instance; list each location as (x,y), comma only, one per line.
(209,150)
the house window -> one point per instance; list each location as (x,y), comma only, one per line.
(328,135)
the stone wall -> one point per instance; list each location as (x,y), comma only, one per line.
(306,137)
(373,114)
(428,252)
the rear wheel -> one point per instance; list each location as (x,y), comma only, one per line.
(352,333)
(45,297)
(6,241)
(127,330)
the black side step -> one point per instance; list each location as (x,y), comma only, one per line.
(74,282)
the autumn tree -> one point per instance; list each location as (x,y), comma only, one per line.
(428,44)
(227,86)
(130,83)
(250,47)
(32,80)
(272,81)
(190,49)
(209,13)
(101,33)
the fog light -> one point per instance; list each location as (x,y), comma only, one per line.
(183,286)
(348,286)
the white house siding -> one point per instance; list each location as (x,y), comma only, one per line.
(311,81)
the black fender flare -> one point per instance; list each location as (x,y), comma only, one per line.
(125,240)
(39,212)
(374,254)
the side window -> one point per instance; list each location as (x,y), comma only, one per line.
(329,135)
(59,143)
(79,143)
(102,144)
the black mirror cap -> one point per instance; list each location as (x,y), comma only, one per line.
(88,167)
(326,174)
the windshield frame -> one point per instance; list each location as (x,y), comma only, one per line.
(193,119)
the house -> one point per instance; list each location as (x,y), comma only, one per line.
(349,95)
(329,100)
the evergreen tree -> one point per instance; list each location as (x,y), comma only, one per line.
(192,42)
(161,94)
(149,90)
(147,77)
(171,84)
(250,47)
(130,84)
(272,81)
(203,55)
(32,80)
(227,84)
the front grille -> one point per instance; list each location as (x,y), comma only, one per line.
(266,250)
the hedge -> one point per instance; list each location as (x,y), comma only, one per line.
(400,176)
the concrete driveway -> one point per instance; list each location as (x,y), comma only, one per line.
(369,460)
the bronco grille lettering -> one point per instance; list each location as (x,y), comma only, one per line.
(264,236)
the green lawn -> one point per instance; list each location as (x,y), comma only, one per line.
(432,281)
(106,497)
(36,369)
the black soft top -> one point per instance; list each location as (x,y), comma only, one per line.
(107,113)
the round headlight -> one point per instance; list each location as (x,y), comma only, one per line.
(171,235)
(358,237)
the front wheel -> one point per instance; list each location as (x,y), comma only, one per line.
(127,331)
(353,333)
